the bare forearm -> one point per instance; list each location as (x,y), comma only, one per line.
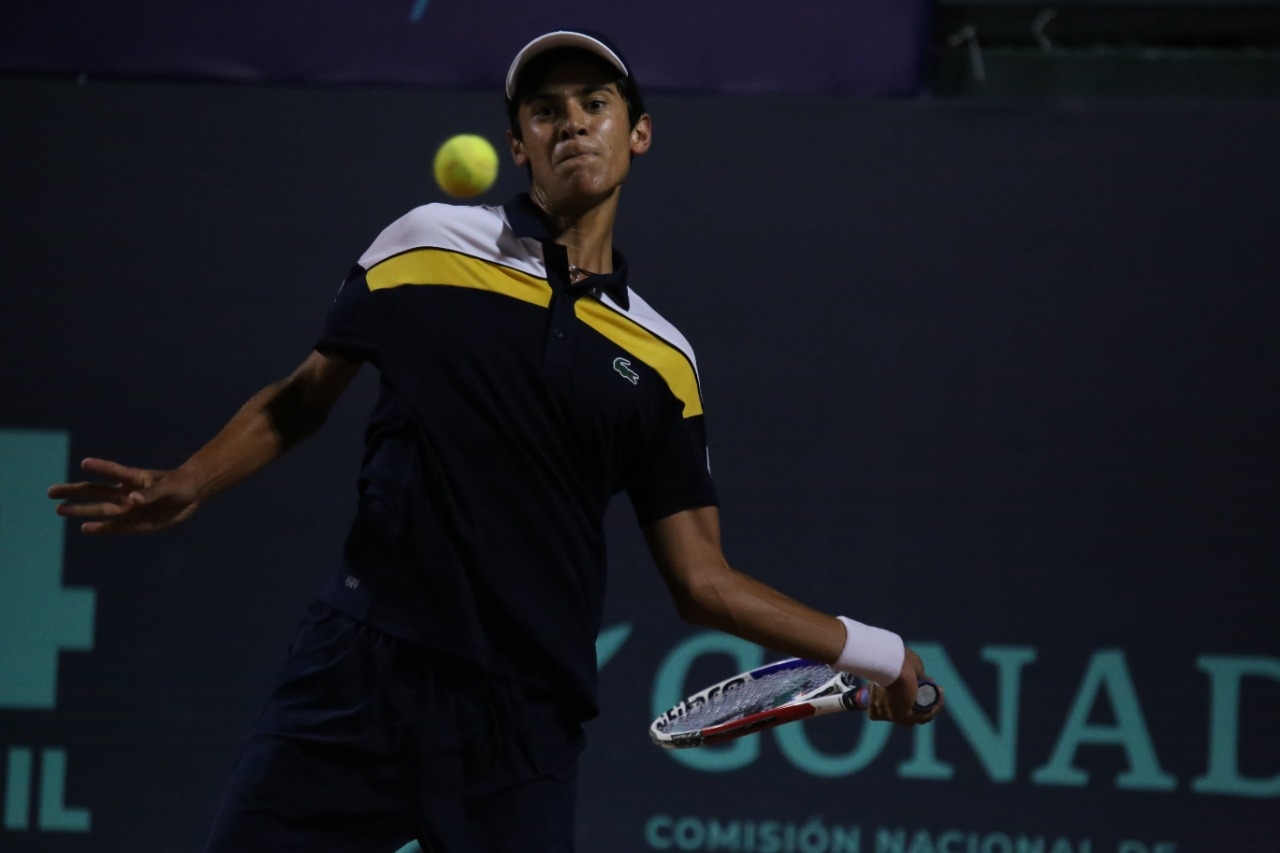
(707,591)
(127,499)
(727,600)
(259,432)
(273,420)
(710,593)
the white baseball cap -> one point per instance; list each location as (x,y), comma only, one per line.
(583,39)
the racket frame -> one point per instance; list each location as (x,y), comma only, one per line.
(836,694)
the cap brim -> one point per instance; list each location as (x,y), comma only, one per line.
(559,39)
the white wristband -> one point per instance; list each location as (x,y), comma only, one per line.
(873,653)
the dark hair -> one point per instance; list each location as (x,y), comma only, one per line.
(540,66)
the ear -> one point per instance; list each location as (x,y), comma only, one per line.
(642,135)
(517,150)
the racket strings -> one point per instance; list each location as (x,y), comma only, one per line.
(760,694)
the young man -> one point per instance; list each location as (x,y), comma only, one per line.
(437,689)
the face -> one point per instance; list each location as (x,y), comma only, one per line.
(577,139)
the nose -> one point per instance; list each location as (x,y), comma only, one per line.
(574,122)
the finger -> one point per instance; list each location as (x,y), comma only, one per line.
(124,524)
(879,707)
(135,477)
(102,509)
(107,528)
(84,492)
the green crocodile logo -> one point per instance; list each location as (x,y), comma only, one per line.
(623,366)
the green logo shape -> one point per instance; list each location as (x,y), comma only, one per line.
(623,366)
(39,617)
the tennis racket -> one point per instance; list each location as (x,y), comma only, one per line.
(768,696)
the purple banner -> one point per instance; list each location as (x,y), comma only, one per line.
(868,48)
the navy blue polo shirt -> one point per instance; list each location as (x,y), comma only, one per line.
(513,407)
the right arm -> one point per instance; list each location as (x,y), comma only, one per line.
(709,593)
(138,500)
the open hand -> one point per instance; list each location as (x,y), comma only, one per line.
(126,500)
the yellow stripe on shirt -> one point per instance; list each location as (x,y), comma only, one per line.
(670,363)
(453,269)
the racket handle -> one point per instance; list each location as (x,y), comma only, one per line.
(926,695)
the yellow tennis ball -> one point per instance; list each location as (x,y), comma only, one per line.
(466,165)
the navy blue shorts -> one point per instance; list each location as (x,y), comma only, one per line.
(370,742)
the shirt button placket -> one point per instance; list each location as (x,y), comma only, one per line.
(561,319)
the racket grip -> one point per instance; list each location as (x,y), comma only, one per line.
(926,695)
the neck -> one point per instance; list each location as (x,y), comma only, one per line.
(586,234)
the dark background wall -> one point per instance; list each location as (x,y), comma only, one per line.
(1001,375)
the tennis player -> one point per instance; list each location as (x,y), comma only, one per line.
(437,688)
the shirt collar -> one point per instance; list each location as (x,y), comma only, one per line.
(527,221)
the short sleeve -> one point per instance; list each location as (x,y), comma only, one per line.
(350,330)
(674,472)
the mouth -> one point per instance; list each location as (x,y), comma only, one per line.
(573,154)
